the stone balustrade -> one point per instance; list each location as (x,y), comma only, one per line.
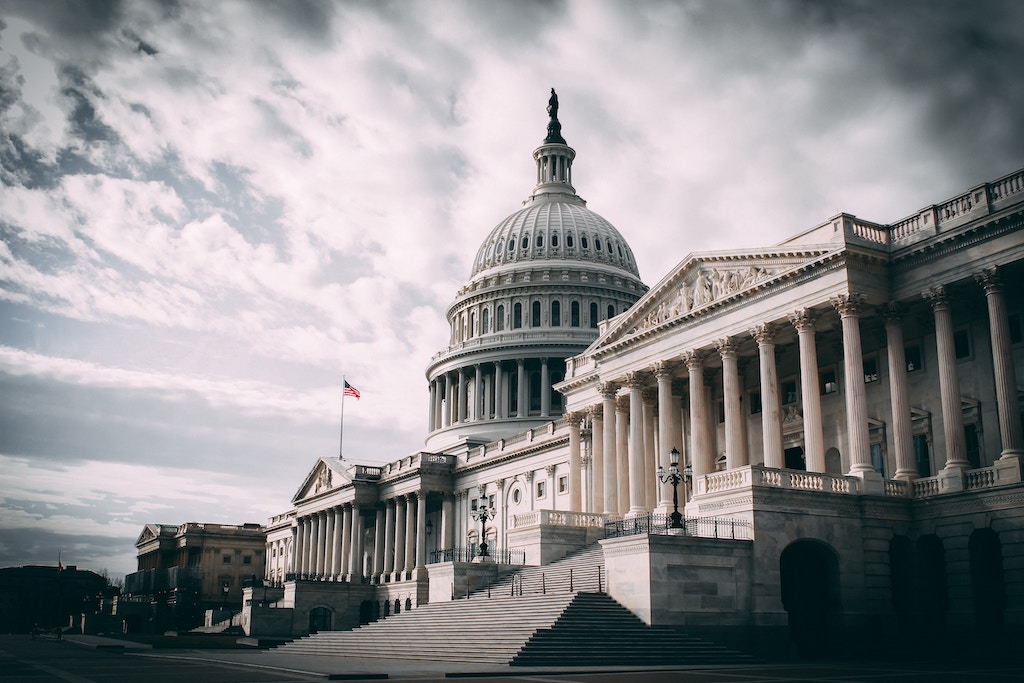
(559,518)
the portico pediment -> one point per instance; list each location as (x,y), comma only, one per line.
(325,475)
(704,281)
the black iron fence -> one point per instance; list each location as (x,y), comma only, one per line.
(658,523)
(497,555)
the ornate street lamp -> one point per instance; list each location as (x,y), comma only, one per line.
(483,513)
(673,476)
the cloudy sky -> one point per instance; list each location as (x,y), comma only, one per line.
(211,212)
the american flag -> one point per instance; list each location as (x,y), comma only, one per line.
(351,391)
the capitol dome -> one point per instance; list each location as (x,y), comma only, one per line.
(542,282)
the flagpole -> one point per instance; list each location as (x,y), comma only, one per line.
(341,437)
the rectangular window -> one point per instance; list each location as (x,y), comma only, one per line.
(877,460)
(755,402)
(541,489)
(225,559)
(490,501)
(790,394)
(1016,328)
(473,504)
(962,343)
(246,559)
(870,370)
(973,445)
(921,456)
(827,379)
(563,484)
(912,354)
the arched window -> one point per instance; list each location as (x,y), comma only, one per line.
(611,310)
(554,240)
(556,396)
(583,241)
(472,323)
(535,314)
(511,244)
(540,241)
(574,314)
(568,240)
(499,319)
(526,242)
(597,243)
(517,316)
(485,320)
(593,315)
(556,313)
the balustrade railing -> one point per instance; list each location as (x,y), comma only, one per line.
(497,555)
(558,518)
(700,527)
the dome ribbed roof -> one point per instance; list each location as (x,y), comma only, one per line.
(555,229)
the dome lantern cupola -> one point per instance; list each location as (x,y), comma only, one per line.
(554,158)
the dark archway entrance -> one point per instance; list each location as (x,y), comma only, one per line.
(810,594)
(988,585)
(319,619)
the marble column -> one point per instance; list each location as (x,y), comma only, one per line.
(574,420)
(735,448)
(814,439)
(299,555)
(389,539)
(597,458)
(1007,405)
(410,534)
(318,545)
(461,416)
(441,381)
(329,544)
(522,394)
(949,379)
(499,390)
(545,388)
(668,431)
(378,545)
(346,538)
(431,415)
(622,452)
(849,307)
(637,490)
(355,560)
(610,485)
(771,412)
(902,429)
(650,444)
(421,528)
(447,522)
(478,393)
(702,459)
(401,503)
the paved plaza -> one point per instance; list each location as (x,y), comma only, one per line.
(85,659)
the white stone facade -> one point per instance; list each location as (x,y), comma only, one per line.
(850,399)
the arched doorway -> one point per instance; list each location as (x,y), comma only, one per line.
(319,619)
(932,596)
(988,585)
(810,594)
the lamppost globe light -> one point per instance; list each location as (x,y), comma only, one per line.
(673,457)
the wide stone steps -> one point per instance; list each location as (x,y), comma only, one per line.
(481,630)
(579,571)
(595,630)
(529,619)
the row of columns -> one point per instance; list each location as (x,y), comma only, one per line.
(328,544)
(450,401)
(624,436)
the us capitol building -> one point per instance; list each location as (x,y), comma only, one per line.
(844,406)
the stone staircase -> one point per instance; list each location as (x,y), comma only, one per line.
(531,618)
